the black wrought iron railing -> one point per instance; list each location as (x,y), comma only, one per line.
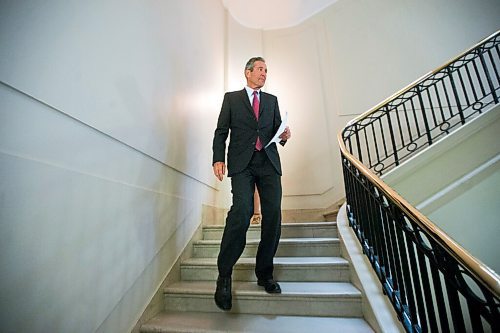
(428,109)
(432,282)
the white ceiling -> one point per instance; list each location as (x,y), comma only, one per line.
(274,14)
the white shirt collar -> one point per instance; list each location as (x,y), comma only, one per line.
(250,93)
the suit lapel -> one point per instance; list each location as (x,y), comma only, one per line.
(246,101)
(263,100)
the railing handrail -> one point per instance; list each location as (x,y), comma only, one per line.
(483,273)
(478,269)
(418,81)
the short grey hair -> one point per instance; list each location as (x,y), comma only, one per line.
(250,63)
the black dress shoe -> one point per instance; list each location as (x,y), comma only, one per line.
(222,296)
(271,286)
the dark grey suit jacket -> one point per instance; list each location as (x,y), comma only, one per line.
(237,115)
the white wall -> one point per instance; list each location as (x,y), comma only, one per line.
(470,215)
(107,111)
(301,78)
(379,47)
(345,60)
(455,183)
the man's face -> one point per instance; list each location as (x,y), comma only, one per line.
(257,78)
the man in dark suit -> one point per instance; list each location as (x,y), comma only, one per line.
(252,117)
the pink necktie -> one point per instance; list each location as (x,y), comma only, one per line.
(255,105)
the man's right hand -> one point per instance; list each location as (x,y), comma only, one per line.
(219,170)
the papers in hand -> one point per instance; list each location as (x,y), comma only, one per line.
(281,129)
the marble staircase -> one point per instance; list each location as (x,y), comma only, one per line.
(316,292)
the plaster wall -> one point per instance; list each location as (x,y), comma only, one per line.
(107,110)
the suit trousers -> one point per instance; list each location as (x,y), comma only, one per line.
(262,173)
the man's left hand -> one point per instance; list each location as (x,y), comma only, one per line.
(287,134)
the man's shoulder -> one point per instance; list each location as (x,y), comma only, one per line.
(236,92)
(263,93)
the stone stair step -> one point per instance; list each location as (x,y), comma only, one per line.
(288,247)
(177,322)
(297,298)
(332,215)
(307,269)
(288,230)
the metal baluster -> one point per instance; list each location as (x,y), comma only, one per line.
(370,232)
(479,79)
(431,108)
(488,78)
(348,177)
(360,216)
(475,316)
(447,98)
(354,196)
(493,313)
(400,128)
(393,141)
(382,132)
(397,297)
(457,99)
(417,288)
(358,143)
(386,255)
(407,123)
(412,308)
(349,144)
(395,256)
(438,292)
(378,244)
(426,288)
(462,85)
(454,302)
(470,81)
(375,142)
(426,123)
(367,147)
(415,117)
(436,91)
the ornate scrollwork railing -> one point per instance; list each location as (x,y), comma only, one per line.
(432,282)
(430,108)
